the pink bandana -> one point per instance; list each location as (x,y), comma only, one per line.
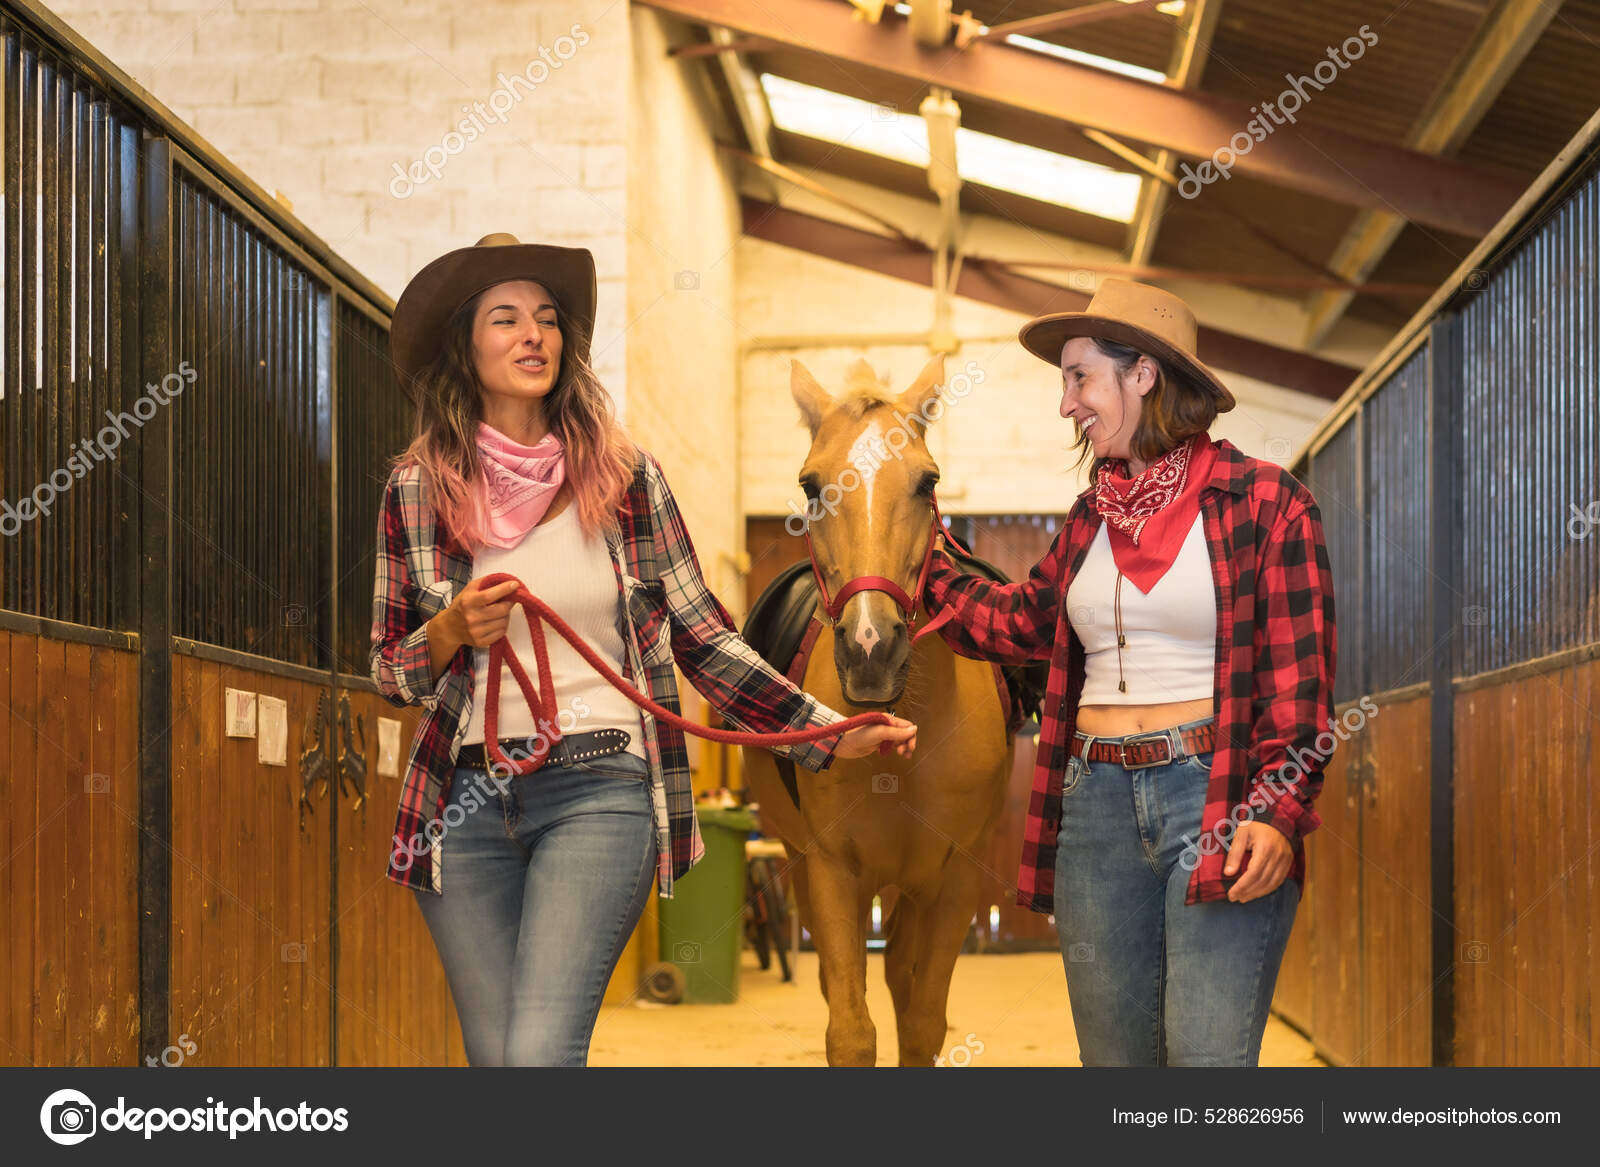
(518,483)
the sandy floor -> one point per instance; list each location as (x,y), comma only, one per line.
(1014,1007)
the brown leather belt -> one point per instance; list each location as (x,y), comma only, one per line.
(1138,750)
(573,747)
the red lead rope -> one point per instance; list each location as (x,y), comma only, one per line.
(542,702)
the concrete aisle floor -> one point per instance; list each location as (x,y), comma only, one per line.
(1014,1005)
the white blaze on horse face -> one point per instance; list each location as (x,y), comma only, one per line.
(867,454)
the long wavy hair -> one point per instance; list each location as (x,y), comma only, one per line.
(1173,411)
(600,457)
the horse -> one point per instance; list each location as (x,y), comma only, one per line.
(920,825)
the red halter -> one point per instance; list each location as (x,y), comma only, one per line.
(834,606)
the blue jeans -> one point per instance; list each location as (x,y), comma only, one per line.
(1152,980)
(542,888)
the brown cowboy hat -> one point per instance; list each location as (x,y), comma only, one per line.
(434,293)
(1155,322)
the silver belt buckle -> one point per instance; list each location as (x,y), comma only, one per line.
(1165,735)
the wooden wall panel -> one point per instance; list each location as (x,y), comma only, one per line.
(1525,870)
(1546,1001)
(1291,999)
(52,778)
(68,874)
(1484,859)
(1333,860)
(77,823)
(394,1003)
(10,1040)
(251,956)
(1397,888)
(21,846)
(1588,697)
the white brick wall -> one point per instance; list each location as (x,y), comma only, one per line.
(320,99)
(683,225)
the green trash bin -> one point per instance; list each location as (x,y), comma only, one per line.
(702,925)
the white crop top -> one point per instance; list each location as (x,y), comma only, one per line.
(1170,652)
(572,573)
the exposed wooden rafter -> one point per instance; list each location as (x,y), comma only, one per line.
(1316,159)
(1507,35)
(1189,54)
(992,282)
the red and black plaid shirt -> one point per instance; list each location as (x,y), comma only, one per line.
(1276,650)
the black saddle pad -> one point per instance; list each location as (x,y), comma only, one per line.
(777,624)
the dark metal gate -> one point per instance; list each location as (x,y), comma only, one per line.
(196,414)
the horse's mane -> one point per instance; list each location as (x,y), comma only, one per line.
(862,391)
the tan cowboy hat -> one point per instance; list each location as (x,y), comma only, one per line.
(435,292)
(1155,322)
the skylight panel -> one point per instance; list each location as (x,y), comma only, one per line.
(984,159)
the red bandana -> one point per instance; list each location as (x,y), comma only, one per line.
(1149,515)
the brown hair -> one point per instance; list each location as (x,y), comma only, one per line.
(1173,411)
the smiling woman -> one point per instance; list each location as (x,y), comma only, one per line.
(520,467)
(1170,709)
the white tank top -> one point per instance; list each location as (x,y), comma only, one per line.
(572,573)
(1170,652)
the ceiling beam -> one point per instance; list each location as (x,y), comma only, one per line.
(994,283)
(1321,161)
(1071,18)
(748,44)
(1189,54)
(749,100)
(1503,42)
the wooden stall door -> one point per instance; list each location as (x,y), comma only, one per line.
(394,1006)
(1397,888)
(1333,894)
(69,875)
(251,957)
(1526,826)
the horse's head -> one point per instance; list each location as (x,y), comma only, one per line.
(870,481)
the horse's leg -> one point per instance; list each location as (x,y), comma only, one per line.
(942,926)
(796,872)
(900,960)
(842,957)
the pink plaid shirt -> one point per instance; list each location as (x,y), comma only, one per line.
(666,616)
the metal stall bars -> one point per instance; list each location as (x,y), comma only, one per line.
(71,469)
(1480,443)
(227,544)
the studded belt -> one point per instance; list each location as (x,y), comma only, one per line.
(1138,750)
(573,747)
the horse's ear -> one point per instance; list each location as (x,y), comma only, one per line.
(923,389)
(813,399)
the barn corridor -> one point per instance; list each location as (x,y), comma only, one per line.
(779,226)
(1005,1010)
